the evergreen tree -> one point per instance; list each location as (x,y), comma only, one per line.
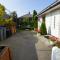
(43,28)
(14,16)
(35,21)
(35,18)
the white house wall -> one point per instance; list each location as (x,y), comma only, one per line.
(48,22)
(39,22)
(58,23)
(53,23)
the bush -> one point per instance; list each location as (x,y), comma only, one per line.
(43,29)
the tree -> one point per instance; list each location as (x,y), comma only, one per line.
(14,16)
(35,21)
(43,28)
(35,18)
(2,10)
(9,23)
(26,21)
(34,14)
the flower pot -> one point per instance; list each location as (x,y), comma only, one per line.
(5,53)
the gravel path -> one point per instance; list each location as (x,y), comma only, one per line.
(26,46)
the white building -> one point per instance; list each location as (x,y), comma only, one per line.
(51,14)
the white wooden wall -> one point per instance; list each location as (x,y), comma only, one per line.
(53,18)
(39,22)
(48,23)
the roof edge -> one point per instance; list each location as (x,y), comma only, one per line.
(49,7)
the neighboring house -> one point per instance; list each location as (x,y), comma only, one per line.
(51,15)
(26,15)
(22,18)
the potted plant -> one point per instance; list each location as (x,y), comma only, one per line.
(5,53)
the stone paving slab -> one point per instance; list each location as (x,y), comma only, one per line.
(25,45)
(43,51)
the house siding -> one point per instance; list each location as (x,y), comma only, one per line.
(48,23)
(53,23)
(39,22)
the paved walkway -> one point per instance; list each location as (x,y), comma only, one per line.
(26,46)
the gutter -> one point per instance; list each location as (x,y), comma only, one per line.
(49,7)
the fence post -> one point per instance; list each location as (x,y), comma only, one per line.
(1,34)
(4,33)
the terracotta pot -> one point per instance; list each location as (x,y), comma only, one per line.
(5,54)
(13,29)
(36,29)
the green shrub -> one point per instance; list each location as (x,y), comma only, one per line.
(43,29)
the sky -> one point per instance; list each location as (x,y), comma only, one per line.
(23,7)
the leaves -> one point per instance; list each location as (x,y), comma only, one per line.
(35,18)
(8,22)
(2,10)
(43,28)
